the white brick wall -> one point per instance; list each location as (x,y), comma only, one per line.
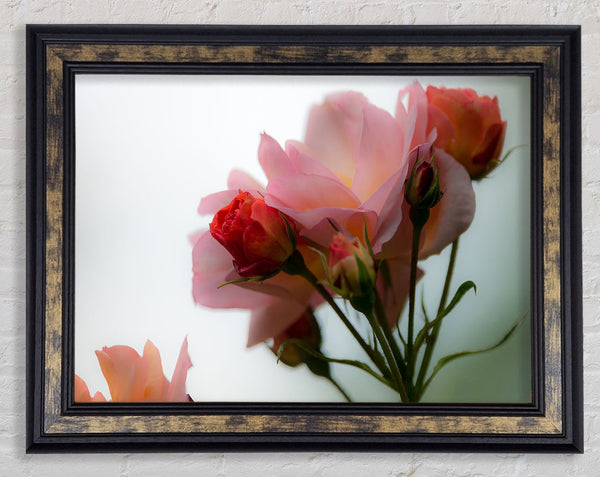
(14,14)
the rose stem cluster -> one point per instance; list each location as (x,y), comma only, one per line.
(263,242)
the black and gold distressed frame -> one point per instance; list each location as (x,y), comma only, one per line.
(550,56)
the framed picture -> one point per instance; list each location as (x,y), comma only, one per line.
(294,238)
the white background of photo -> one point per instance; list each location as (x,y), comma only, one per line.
(149,147)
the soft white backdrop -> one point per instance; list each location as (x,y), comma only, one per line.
(149,147)
(14,14)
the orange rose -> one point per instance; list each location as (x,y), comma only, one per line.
(255,235)
(469,127)
(135,378)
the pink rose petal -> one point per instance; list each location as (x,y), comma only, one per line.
(176,391)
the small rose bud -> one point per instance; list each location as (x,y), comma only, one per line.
(255,234)
(351,266)
(422,189)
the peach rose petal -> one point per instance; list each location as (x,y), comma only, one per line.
(273,159)
(381,151)
(82,392)
(303,160)
(124,372)
(333,133)
(156,385)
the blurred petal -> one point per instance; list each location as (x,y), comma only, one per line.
(241,180)
(211,265)
(176,391)
(387,204)
(82,393)
(443,125)
(156,385)
(303,161)
(303,192)
(395,294)
(333,133)
(273,158)
(212,203)
(273,319)
(454,213)
(124,372)
(415,132)
(381,151)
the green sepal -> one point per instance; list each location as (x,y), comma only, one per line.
(244,279)
(323,259)
(367,240)
(290,231)
(491,165)
(295,265)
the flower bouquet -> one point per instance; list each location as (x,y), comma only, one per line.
(343,222)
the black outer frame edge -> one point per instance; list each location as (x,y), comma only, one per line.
(303,442)
(571,230)
(35,174)
(35,233)
(304,34)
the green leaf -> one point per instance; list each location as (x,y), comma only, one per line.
(448,359)
(349,362)
(464,288)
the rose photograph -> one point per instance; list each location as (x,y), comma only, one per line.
(302,239)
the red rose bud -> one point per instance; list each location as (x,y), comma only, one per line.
(422,189)
(306,329)
(469,127)
(351,267)
(255,235)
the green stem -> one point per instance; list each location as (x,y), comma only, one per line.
(339,388)
(295,265)
(436,329)
(387,351)
(375,357)
(385,326)
(411,297)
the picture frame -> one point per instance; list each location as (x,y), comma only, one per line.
(548,55)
